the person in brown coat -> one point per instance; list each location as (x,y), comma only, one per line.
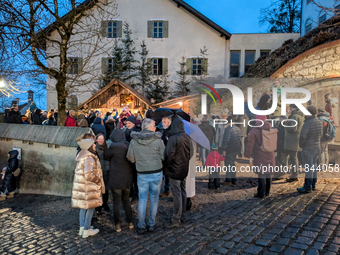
(81,121)
(88,184)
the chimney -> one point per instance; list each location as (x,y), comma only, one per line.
(30,96)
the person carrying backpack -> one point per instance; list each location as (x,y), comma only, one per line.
(262,142)
(329,133)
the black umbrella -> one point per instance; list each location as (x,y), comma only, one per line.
(159,113)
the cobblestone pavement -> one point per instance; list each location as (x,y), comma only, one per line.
(228,222)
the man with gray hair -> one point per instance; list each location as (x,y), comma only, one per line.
(166,124)
(146,150)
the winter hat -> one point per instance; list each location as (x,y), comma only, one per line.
(131,119)
(85,144)
(283,117)
(33,107)
(214,147)
(261,117)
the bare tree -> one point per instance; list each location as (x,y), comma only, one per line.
(67,48)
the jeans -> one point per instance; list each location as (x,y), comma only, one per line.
(324,157)
(264,184)
(146,183)
(180,200)
(167,184)
(295,164)
(310,161)
(230,162)
(204,155)
(121,195)
(85,217)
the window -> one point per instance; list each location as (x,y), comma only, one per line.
(234,63)
(322,18)
(308,27)
(337,10)
(112,29)
(107,66)
(157,66)
(196,66)
(158,29)
(249,59)
(74,65)
(264,53)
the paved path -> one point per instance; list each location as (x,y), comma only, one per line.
(284,223)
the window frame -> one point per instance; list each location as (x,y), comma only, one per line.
(159,66)
(157,27)
(246,66)
(308,24)
(234,65)
(112,32)
(74,65)
(197,65)
(265,51)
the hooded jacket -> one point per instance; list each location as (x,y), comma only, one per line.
(110,125)
(208,130)
(88,183)
(97,127)
(177,153)
(147,150)
(120,171)
(232,139)
(70,122)
(13,163)
(81,121)
(129,131)
(14,117)
(261,158)
(36,117)
(214,159)
(311,134)
(292,134)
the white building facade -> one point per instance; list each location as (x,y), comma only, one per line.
(315,13)
(171,29)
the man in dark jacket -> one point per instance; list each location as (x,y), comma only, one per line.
(36,117)
(176,159)
(166,132)
(310,137)
(14,116)
(97,127)
(231,147)
(8,183)
(210,133)
(324,157)
(110,125)
(4,118)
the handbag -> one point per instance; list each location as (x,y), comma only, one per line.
(17,172)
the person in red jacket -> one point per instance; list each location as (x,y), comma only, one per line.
(213,163)
(71,120)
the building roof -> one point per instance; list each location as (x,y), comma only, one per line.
(175,100)
(90,3)
(115,82)
(56,135)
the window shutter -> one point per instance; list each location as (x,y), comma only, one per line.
(165,66)
(150,28)
(189,66)
(80,65)
(104,28)
(165,29)
(104,65)
(119,29)
(205,66)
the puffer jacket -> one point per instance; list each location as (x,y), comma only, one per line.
(82,121)
(261,158)
(232,139)
(13,163)
(88,183)
(120,173)
(177,152)
(311,134)
(292,134)
(147,150)
(97,127)
(208,130)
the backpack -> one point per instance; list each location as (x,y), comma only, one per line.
(329,132)
(269,140)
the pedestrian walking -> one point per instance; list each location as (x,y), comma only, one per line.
(120,177)
(147,151)
(176,159)
(88,184)
(8,186)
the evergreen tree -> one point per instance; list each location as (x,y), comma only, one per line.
(159,89)
(129,54)
(182,85)
(144,70)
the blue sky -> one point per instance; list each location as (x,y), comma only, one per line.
(235,16)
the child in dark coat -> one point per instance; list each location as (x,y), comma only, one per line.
(8,183)
(213,163)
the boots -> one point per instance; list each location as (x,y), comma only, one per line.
(2,197)
(90,232)
(10,195)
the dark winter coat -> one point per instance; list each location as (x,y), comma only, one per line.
(311,134)
(232,139)
(6,115)
(50,122)
(110,125)
(165,135)
(97,127)
(56,117)
(36,117)
(105,165)
(120,173)
(280,138)
(292,134)
(261,158)
(128,132)
(43,118)
(177,152)
(14,117)
(208,130)
(13,163)
(243,128)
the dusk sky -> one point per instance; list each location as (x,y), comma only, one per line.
(239,16)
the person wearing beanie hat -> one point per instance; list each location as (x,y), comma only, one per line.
(213,164)
(88,184)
